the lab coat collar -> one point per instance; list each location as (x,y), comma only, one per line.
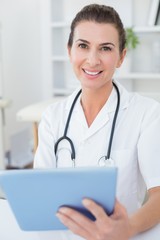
(125,98)
(104,115)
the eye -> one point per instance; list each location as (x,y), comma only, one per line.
(83,45)
(106,48)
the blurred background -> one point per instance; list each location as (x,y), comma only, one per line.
(35,71)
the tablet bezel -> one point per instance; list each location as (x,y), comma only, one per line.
(35,195)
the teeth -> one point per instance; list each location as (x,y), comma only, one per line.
(91,73)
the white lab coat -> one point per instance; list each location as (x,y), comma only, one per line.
(135,149)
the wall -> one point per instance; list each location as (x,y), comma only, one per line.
(20,21)
(126,16)
(25,69)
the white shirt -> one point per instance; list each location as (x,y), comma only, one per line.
(135,149)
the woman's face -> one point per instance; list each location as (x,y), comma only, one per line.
(95,54)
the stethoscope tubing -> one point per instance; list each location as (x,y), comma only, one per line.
(65,137)
(113,123)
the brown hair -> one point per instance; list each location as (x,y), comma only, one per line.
(99,14)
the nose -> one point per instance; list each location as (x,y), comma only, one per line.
(93,58)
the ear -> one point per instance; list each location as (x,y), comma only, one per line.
(122,56)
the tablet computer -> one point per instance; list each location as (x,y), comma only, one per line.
(35,195)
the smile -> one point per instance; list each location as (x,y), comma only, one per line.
(91,73)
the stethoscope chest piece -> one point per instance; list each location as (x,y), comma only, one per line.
(106,162)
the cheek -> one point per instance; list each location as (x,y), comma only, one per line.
(115,61)
(111,61)
(76,59)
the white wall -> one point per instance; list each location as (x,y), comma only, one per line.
(24,78)
(23,64)
(119,5)
(20,20)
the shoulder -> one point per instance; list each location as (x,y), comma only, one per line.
(139,101)
(58,109)
(145,104)
(139,109)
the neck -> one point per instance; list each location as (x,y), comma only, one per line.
(93,101)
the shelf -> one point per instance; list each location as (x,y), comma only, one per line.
(62,91)
(147,29)
(137,76)
(154,95)
(60,24)
(60,59)
(61,75)
(67,92)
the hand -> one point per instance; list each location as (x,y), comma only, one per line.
(113,227)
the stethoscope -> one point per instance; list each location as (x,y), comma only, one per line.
(104,160)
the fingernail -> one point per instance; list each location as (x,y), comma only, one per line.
(58,215)
(63,210)
(86,202)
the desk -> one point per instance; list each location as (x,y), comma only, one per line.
(33,113)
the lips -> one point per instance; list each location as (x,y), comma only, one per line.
(92,73)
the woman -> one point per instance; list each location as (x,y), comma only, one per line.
(96,48)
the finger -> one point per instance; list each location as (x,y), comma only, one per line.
(74,221)
(78,217)
(97,210)
(119,210)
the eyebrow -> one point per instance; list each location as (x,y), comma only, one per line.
(107,43)
(102,44)
(82,40)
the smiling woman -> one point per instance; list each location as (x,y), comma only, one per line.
(87,120)
(95,57)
